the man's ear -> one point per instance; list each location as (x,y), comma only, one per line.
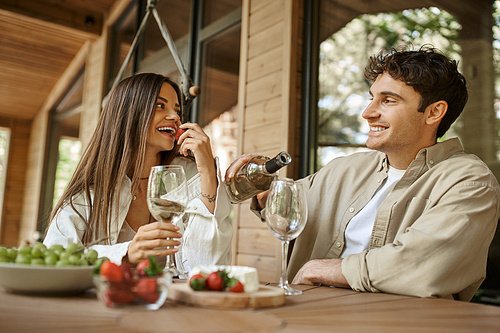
(436,112)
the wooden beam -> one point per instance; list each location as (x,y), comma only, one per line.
(58,12)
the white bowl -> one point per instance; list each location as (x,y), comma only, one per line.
(45,279)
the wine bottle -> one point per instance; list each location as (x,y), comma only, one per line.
(255,176)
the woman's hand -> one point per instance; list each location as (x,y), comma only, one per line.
(198,142)
(150,240)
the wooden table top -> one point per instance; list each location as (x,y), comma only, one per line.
(318,309)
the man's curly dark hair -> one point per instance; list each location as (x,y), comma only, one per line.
(431,74)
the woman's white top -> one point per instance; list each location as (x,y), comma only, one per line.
(206,237)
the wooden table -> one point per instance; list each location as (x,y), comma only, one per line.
(318,309)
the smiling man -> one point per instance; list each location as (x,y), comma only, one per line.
(412,216)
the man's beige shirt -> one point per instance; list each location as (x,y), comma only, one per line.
(431,234)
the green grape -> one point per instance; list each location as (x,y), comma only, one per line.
(36,252)
(5,259)
(23,259)
(74,259)
(83,262)
(12,253)
(3,252)
(91,256)
(51,259)
(64,255)
(37,262)
(25,249)
(57,249)
(62,263)
(49,252)
(40,245)
(72,247)
(55,255)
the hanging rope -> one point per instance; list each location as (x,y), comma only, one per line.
(189,92)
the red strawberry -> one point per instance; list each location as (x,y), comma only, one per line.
(141,266)
(111,272)
(149,267)
(146,289)
(115,296)
(197,282)
(128,275)
(180,131)
(237,288)
(215,281)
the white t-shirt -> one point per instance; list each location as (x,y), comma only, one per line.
(359,229)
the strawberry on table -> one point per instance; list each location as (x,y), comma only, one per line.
(197,282)
(215,280)
(235,286)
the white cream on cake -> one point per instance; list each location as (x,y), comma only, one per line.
(248,276)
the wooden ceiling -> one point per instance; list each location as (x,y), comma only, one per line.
(38,40)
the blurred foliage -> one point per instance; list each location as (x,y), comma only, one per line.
(343,93)
(4,148)
(69,156)
(343,90)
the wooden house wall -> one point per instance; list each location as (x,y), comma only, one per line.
(268,117)
(17,160)
(36,151)
(91,56)
(268,114)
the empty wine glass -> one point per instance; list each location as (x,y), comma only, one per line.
(167,199)
(286,214)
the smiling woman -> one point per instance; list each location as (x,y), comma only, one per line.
(137,130)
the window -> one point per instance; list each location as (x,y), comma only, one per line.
(218,54)
(207,38)
(122,36)
(154,54)
(342,53)
(64,148)
(4,153)
(217,105)
(69,153)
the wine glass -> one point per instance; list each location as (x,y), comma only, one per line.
(286,214)
(167,199)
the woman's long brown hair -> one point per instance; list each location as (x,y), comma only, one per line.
(116,149)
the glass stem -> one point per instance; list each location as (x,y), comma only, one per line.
(168,262)
(284,255)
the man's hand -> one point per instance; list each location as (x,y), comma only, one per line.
(233,169)
(322,271)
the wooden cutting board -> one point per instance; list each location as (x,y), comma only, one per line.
(266,296)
